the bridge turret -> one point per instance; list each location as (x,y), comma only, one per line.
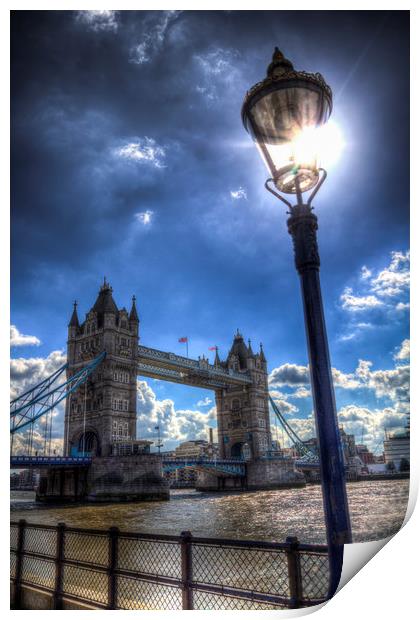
(106,411)
(242,412)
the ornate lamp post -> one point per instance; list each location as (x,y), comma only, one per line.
(282,113)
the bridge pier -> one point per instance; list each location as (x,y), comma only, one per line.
(260,474)
(107,479)
(62,485)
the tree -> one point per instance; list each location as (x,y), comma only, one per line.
(404,465)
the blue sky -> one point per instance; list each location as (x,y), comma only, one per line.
(130,161)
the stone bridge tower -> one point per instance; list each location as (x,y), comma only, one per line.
(243,417)
(104,408)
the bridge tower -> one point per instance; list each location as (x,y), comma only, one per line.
(104,409)
(243,417)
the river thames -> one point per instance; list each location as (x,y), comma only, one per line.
(377,510)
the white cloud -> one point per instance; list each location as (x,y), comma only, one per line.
(304,427)
(144,217)
(344,380)
(358,328)
(356,303)
(238,194)
(387,290)
(205,402)
(394,280)
(143,150)
(99,21)
(219,71)
(370,424)
(178,425)
(393,384)
(153,38)
(346,337)
(403,352)
(217,61)
(365,273)
(285,407)
(20,340)
(301,392)
(21,442)
(290,375)
(27,372)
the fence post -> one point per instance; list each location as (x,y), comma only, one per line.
(113,564)
(59,558)
(186,570)
(295,576)
(19,561)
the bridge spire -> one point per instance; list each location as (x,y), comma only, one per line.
(262,356)
(216,357)
(74,321)
(133,313)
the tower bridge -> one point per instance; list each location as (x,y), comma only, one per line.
(101,412)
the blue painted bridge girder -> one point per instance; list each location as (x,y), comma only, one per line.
(41,462)
(227,467)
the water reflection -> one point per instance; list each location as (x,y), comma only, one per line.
(377,510)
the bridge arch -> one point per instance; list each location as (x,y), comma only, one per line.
(236,449)
(89,442)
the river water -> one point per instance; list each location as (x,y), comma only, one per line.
(377,510)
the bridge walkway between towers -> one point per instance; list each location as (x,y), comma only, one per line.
(179,369)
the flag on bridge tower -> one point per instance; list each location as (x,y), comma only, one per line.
(216,357)
(184,339)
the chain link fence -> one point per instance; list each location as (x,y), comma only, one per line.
(126,570)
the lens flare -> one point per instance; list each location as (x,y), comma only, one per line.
(312,147)
(324,144)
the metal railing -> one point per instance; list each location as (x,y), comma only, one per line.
(109,569)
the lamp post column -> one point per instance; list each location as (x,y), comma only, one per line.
(302,225)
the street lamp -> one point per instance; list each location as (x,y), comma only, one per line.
(283,113)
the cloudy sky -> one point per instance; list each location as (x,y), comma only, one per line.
(130,161)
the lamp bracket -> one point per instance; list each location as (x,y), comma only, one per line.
(277,194)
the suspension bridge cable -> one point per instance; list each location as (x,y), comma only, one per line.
(44,402)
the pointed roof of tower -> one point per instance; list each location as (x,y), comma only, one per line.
(262,356)
(239,349)
(250,352)
(133,313)
(105,302)
(74,321)
(216,357)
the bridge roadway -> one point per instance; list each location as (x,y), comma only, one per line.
(231,467)
(178,369)
(235,467)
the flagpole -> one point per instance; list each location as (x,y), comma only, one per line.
(187,346)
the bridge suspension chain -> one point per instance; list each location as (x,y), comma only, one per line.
(303,449)
(26,409)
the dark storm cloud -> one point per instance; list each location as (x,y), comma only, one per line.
(86,90)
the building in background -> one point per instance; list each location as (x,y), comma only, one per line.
(397,449)
(365,454)
(186,477)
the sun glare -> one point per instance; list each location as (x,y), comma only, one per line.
(313,146)
(325,143)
